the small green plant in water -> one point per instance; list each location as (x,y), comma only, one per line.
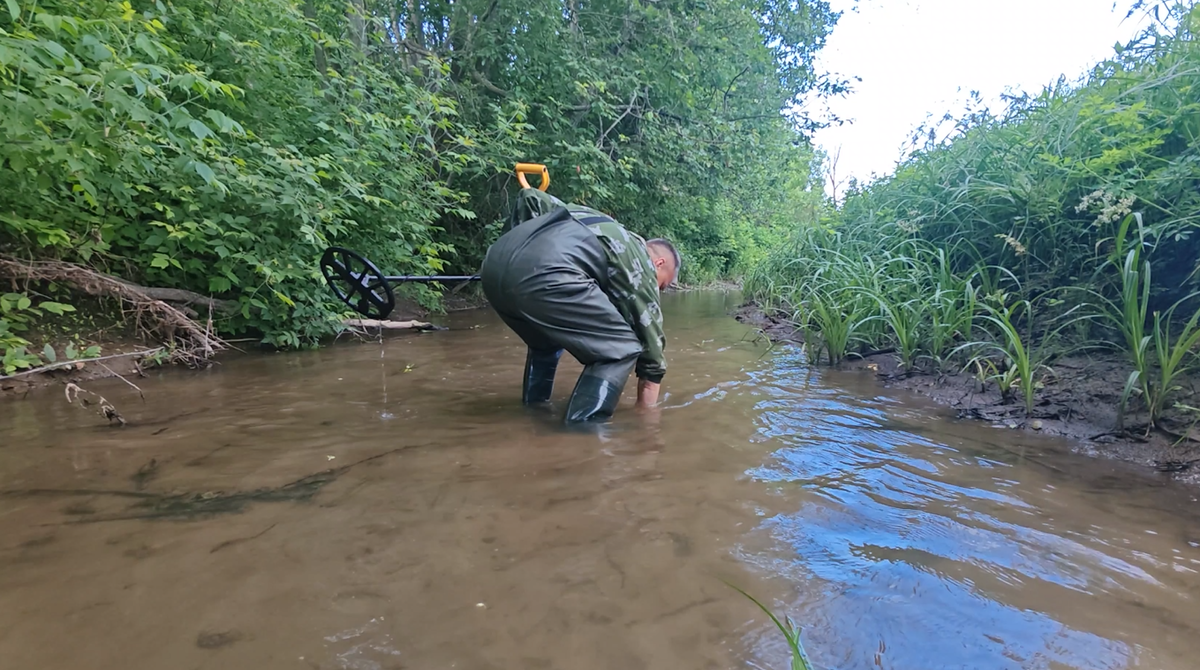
(830,322)
(791,632)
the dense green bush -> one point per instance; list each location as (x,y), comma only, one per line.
(1048,219)
(227,175)
(219,146)
(1042,187)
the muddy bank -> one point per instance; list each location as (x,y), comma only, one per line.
(126,352)
(1078,401)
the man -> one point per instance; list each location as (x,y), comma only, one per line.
(569,277)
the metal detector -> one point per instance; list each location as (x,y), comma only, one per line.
(358,282)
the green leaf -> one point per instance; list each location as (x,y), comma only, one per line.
(205,172)
(48,353)
(201,131)
(144,43)
(224,123)
(54,23)
(14,10)
(160,261)
(70,352)
(91,352)
(56,307)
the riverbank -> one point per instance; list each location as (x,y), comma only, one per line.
(123,350)
(1079,401)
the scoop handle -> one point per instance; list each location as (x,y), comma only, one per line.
(533,168)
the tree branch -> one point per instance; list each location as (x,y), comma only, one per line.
(725,96)
(482,81)
(628,108)
(408,44)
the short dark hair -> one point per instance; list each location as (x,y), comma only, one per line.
(670,248)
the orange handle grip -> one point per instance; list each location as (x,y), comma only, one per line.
(533,168)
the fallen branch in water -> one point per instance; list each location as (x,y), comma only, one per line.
(388,325)
(30,493)
(106,409)
(118,376)
(208,503)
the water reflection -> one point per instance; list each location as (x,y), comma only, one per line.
(918,554)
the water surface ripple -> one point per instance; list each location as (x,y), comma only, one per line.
(414,516)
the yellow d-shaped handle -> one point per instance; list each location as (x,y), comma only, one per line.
(533,168)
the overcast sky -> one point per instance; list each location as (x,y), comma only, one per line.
(920,57)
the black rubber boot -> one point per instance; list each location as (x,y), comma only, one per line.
(540,367)
(594,399)
(598,391)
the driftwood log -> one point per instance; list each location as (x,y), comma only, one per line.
(388,325)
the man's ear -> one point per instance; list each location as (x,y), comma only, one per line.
(659,262)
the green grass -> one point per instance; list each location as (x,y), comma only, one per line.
(1079,200)
(791,633)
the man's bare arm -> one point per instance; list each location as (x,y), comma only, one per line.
(647,393)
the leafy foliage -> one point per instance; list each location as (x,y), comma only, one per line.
(16,313)
(219,146)
(1032,206)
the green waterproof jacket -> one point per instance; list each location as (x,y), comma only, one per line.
(632,282)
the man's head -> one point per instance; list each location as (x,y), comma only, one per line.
(665,259)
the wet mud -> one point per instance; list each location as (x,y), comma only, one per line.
(1079,401)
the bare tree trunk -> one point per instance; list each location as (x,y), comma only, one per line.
(573,12)
(319,61)
(412,30)
(356,20)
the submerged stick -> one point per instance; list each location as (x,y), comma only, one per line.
(106,409)
(239,540)
(118,376)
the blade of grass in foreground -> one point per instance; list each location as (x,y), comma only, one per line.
(791,632)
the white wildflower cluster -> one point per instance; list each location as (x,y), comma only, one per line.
(1111,207)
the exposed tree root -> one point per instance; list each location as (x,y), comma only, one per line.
(193,343)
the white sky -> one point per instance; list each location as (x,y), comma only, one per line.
(922,57)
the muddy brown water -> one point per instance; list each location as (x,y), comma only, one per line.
(453,529)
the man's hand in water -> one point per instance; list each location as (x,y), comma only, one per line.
(647,393)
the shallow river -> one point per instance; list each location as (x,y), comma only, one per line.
(413,515)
